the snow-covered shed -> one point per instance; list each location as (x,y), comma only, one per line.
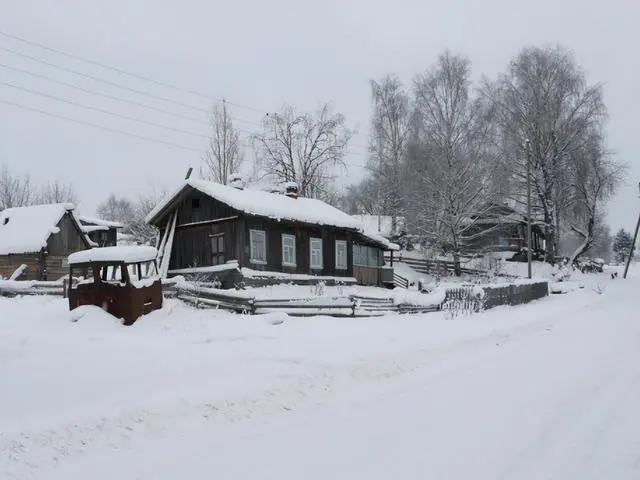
(102,232)
(41,237)
(232,232)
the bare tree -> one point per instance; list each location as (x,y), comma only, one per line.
(116,209)
(451,163)
(544,99)
(224,154)
(303,148)
(142,232)
(594,175)
(15,191)
(131,215)
(56,192)
(390,131)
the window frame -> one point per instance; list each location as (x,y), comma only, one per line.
(343,244)
(255,233)
(315,241)
(284,248)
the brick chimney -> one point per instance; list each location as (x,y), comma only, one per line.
(291,190)
(235,181)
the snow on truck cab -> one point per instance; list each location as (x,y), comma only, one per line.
(124,281)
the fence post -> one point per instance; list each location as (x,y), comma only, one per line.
(252,306)
(354,303)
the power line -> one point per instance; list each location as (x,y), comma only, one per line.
(123,72)
(97,79)
(104,95)
(117,85)
(101,80)
(100,127)
(100,110)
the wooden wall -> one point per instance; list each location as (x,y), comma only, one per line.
(9,264)
(303,234)
(192,244)
(105,238)
(68,240)
(196,207)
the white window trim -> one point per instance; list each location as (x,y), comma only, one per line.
(343,244)
(258,233)
(313,266)
(286,236)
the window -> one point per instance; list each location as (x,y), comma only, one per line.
(258,241)
(195,203)
(364,256)
(315,253)
(341,255)
(217,249)
(374,258)
(288,250)
(359,256)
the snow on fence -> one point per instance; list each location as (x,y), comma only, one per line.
(33,287)
(474,298)
(454,300)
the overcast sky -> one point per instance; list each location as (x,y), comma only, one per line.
(259,54)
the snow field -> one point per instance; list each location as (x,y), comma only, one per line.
(518,392)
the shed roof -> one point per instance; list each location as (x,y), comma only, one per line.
(27,229)
(84,220)
(128,254)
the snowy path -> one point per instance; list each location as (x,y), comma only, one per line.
(551,390)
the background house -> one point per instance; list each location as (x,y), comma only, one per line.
(102,232)
(502,229)
(231,233)
(40,237)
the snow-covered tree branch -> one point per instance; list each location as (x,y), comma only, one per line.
(451,162)
(304,148)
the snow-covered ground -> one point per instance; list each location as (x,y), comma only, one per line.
(546,390)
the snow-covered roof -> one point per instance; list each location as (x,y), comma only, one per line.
(380,224)
(27,229)
(94,228)
(129,254)
(379,239)
(99,222)
(266,204)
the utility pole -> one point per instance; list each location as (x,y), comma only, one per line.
(633,244)
(528,209)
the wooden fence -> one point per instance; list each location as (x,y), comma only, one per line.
(464,297)
(476,298)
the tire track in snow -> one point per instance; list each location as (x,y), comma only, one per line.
(41,449)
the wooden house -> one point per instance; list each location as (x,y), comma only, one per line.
(233,234)
(502,229)
(41,237)
(102,232)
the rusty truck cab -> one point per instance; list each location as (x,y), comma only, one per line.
(124,281)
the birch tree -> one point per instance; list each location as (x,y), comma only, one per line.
(544,99)
(390,129)
(305,148)
(594,175)
(451,162)
(224,153)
